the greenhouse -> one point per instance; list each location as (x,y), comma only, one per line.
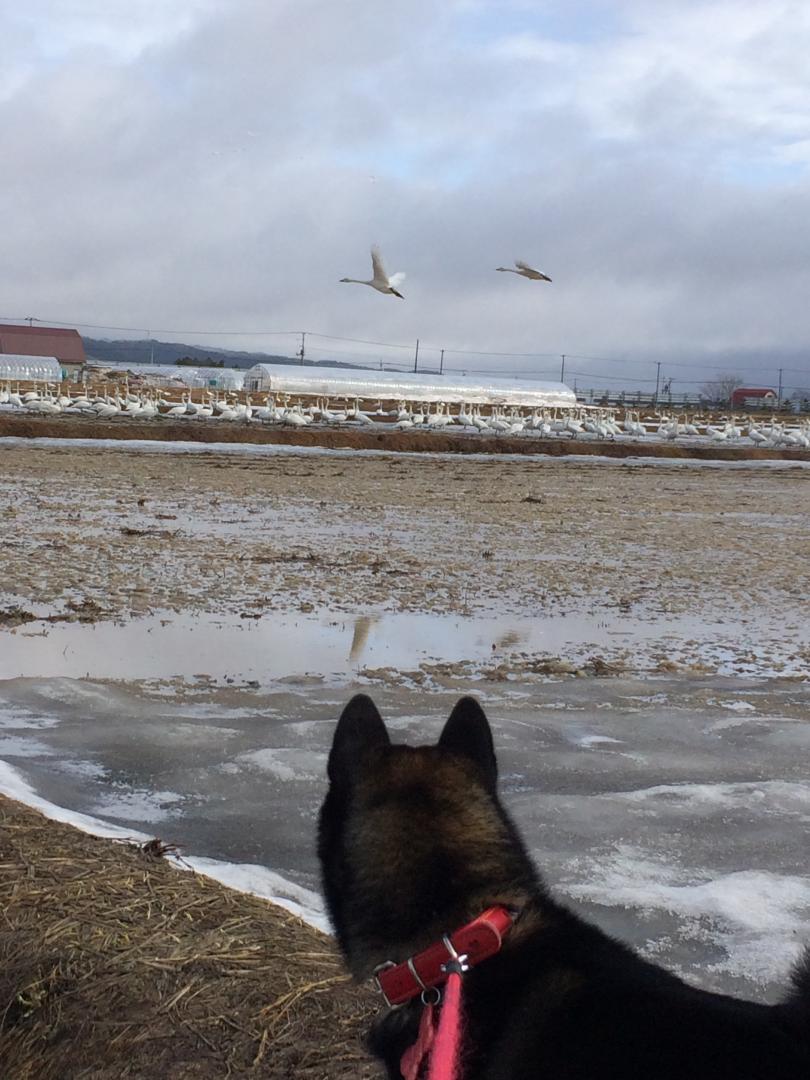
(219,378)
(192,377)
(15,367)
(369,385)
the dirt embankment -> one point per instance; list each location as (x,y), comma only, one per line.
(378,437)
(115,964)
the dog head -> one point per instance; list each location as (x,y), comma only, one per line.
(413,840)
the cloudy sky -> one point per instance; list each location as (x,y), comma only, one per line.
(218,165)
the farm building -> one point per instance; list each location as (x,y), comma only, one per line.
(45,342)
(16,368)
(369,385)
(752,397)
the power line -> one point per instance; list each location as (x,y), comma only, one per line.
(675,366)
(147,330)
(606,378)
(359,341)
(493,352)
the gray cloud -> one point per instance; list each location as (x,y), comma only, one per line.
(222,166)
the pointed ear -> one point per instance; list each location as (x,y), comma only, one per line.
(359,729)
(467,733)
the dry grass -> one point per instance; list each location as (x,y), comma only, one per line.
(113,963)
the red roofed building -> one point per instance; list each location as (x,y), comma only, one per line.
(752,397)
(66,345)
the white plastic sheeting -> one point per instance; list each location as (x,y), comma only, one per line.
(405,386)
(16,367)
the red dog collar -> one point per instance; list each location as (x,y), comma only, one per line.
(472,943)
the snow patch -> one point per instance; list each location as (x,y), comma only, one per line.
(287,764)
(257,880)
(761,915)
(146,806)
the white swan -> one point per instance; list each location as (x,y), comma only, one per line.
(357,414)
(381,281)
(294,417)
(178,411)
(106,409)
(44,405)
(524,270)
(439,418)
(498,422)
(478,421)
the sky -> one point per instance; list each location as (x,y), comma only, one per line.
(208,170)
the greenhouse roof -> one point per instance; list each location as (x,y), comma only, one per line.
(21,366)
(368,384)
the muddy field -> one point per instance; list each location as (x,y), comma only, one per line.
(107,533)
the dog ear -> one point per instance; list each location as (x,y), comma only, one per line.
(359,729)
(468,734)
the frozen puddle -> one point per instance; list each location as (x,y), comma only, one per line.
(674,813)
(292,644)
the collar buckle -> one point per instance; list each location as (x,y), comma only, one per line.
(376,976)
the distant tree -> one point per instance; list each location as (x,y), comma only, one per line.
(719,390)
(186,361)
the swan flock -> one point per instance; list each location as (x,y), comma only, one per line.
(384,283)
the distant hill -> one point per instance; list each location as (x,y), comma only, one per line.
(169,352)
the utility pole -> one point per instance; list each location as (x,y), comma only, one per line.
(30,319)
(441,362)
(779,394)
(151,347)
(562,369)
(416,357)
(301,351)
(657,380)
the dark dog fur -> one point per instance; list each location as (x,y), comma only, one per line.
(414,842)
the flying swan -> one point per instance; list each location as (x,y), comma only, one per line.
(524,270)
(381,281)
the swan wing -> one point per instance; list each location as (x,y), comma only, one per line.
(377,266)
(530,271)
(396,279)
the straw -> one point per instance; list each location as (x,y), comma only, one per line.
(115,963)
